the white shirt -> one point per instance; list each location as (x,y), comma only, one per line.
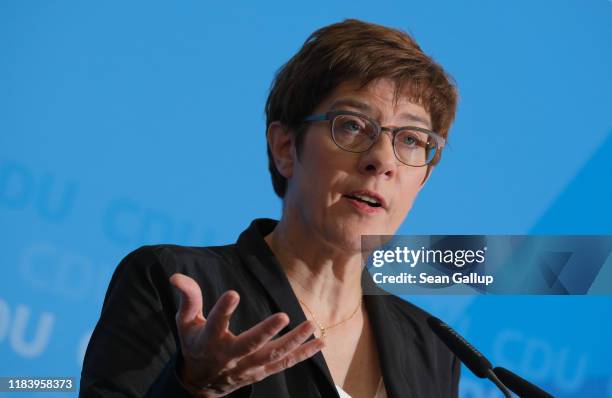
(380,391)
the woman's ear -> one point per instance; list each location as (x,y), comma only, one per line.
(280,142)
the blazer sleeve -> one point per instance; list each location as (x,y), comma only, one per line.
(134,349)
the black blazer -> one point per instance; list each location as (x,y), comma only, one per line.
(134,348)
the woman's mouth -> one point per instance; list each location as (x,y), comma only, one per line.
(365,204)
(370,201)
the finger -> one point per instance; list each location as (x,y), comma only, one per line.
(219,316)
(240,376)
(300,354)
(278,348)
(254,338)
(190,306)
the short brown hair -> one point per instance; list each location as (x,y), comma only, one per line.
(358,51)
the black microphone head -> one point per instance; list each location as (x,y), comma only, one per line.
(474,360)
(520,386)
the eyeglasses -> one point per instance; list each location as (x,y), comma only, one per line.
(356,132)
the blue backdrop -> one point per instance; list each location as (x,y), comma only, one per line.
(115,122)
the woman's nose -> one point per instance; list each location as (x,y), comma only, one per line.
(380,158)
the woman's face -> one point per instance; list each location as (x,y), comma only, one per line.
(325,182)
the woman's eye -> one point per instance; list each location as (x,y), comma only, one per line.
(353,127)
(409,141)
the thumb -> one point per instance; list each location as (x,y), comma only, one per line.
(190,306)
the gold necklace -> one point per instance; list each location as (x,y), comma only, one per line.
(322,328)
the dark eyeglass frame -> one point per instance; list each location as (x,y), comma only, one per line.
(332,115)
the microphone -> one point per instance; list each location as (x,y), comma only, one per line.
(470,356)
(520,386)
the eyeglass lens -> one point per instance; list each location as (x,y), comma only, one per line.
(356,134)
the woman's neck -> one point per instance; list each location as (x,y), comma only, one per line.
(324,277)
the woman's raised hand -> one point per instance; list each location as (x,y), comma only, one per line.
(217,362)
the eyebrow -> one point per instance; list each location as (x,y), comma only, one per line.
(362,106)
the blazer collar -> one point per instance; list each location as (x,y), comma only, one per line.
(389,337)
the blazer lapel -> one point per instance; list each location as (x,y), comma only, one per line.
(263,265)
(397,365)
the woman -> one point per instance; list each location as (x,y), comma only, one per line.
(355,122)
